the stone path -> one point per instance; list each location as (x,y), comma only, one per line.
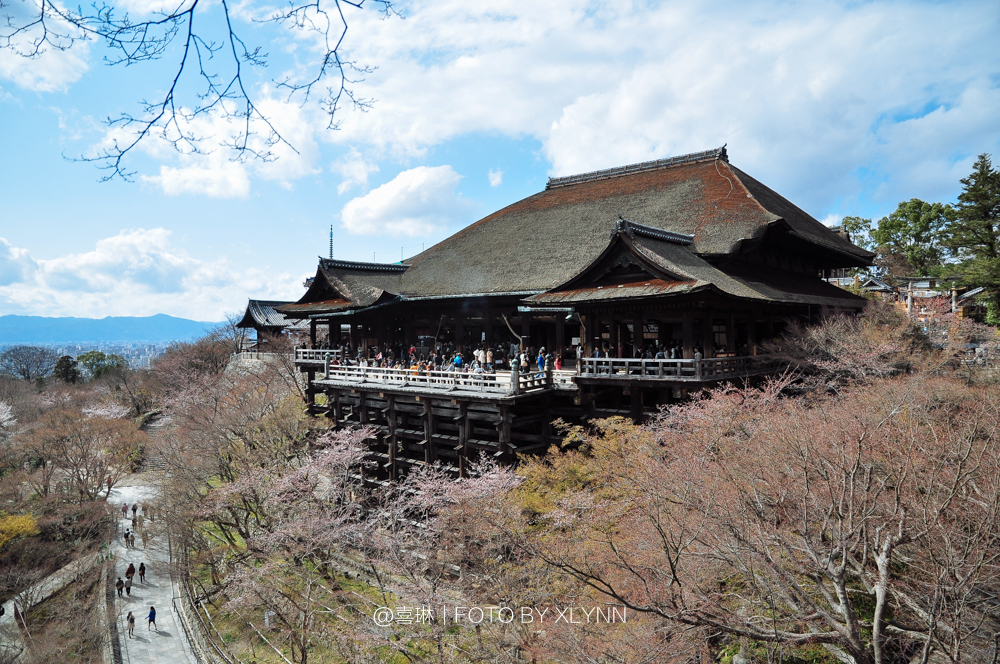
(169,643)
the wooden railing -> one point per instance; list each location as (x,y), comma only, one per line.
(258,355)
(317,355)
(706,369)
(446,381)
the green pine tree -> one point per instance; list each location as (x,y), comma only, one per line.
(66,370)
(972,233)
(913,231)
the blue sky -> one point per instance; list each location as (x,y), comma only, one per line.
(845,108)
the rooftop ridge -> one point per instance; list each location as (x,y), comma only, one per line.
(632,229)
(326,263)
(618,171)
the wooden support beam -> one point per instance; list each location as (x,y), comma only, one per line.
(708,335)
(547,423)
(635,411)
(504,428)
(391,434)
(687,333)
(463,436)
(429,431)
(310,390)
(637,335)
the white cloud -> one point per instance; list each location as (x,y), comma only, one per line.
(224,179)
(496,177)
(53,70)
(138,272)
(15,264)
(820,100)
(417,202)
(218,173)
(354,169)
(831,220)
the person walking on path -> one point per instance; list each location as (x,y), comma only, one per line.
(128,586)
(119,585)
(124,509)
(130,572)
(152,619)
(131,540)
(126,537)
(142,571)
(145,538)
(135,508)
(131,624)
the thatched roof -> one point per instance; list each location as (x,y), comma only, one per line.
(544,240)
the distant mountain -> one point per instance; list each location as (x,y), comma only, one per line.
(42,330)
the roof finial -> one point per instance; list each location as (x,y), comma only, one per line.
(331,241)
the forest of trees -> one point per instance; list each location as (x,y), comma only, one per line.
(847,511)
(937,240)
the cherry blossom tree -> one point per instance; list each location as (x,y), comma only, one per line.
(865,525)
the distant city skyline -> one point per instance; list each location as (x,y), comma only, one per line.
(846,108)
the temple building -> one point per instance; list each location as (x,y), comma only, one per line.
(662,277)
(268,324)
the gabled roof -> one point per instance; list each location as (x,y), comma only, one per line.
(876,285)
(342,285)
(666,265)
(540,242)
(262,313)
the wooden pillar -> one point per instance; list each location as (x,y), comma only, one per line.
(390,438)
(409,334)
(637,334)
(616,336)
(687,333)
(488,326)
(526,330)
(731,333)
(504,428)
(428,431)
(560,348)
(595,340)
(310,390)
(463,436)
(337,409)
(707,336)
(635,407)
(312,333)
(362,407)
(752,335)
(460,333)
(547,423)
